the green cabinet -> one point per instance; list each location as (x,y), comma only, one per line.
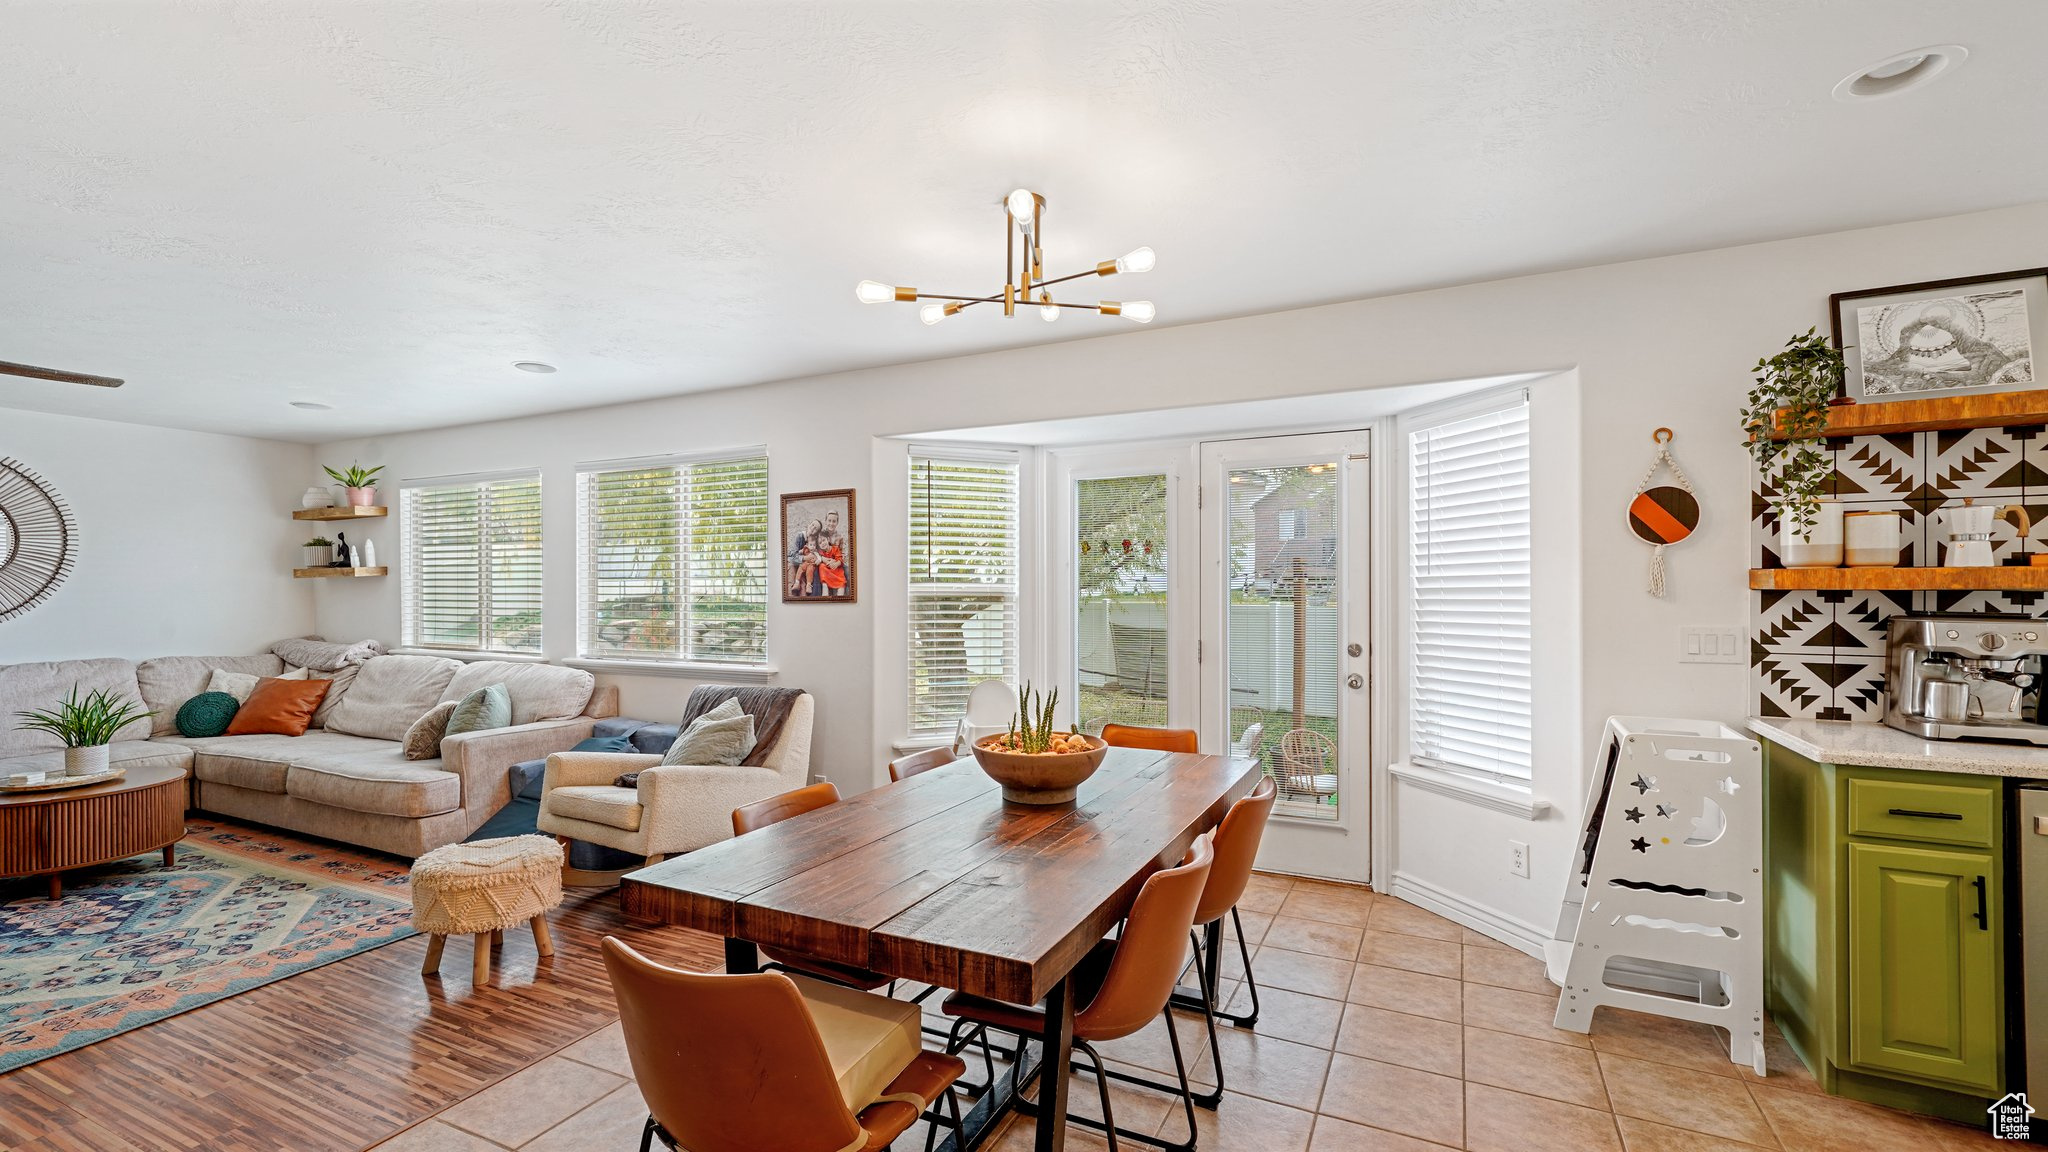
(1884,948)
(1923,963)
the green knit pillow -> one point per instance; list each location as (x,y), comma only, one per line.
(207,714)
(487,707)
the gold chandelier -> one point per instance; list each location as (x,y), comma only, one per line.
(1024,281)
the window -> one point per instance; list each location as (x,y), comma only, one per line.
(472,563)
(1121,610)
(1469,557)
(673,560)
(963,582)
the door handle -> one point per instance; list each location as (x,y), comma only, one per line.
(1983,916)
(1354,681)
(1919,815)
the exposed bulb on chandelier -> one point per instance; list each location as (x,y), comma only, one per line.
(1021,204)
(874,292)
(1139,311)
(1047,310)
(932,313)
(1137,260)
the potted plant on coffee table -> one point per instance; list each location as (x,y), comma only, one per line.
(86,726)
(1785,421)
(361,483)
(318,552)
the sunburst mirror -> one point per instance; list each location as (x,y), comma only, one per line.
(38,540)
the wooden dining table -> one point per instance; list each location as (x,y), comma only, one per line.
(938,879)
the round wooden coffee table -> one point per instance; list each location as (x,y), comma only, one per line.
(48,832)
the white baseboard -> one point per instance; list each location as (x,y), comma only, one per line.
(1512,931)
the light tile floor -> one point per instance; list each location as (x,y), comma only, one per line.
(1383,1028)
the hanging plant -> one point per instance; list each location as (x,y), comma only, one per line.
(1790,399)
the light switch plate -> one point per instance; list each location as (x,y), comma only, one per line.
(1710,644)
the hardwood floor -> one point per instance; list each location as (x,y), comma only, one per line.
(338,1058)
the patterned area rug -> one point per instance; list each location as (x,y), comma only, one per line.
(136,942)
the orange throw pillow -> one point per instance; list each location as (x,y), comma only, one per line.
(279,707)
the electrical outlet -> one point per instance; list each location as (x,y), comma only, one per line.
(1518,858)
(1710,644)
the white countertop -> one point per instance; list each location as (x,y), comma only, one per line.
(1872,745)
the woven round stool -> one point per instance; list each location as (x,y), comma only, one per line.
(483,888)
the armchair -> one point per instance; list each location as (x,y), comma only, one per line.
(676,807)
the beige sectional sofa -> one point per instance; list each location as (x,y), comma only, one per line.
(345,779)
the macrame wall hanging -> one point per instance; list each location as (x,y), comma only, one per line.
(1663,514)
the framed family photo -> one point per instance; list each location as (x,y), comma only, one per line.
(818,553)
(1955,337)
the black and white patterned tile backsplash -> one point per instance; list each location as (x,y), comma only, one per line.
(1820,655)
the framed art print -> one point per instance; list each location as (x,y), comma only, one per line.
(1954,337)
(819,557)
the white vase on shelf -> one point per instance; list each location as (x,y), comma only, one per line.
(1820,545)
(316,498)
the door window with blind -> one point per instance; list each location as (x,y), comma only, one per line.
(963,582)
(673,560)
(472,564)
(1468,488)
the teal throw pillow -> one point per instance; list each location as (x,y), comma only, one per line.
(487,707)
(723,735)
(207,714)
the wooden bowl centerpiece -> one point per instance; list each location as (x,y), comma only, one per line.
(1033,763)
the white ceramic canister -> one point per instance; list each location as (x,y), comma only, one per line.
(1871,538)
(1820,546)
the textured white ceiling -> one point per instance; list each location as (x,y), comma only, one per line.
(381,205)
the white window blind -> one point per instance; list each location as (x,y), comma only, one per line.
(472,564)
(963,583)
(1469,556)
(673,560)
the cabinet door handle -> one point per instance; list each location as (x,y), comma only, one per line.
(1983,917)
(1917,814)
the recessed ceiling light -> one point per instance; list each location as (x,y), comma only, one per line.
(1901,73)
(312,406)
(533,366)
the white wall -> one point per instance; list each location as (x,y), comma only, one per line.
(1660,342)
(186,541)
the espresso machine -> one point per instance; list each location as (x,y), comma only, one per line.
(1967,676)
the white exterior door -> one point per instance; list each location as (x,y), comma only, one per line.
(1285,656)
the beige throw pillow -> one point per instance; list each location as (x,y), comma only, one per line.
(723,735)
(423,739)
(236,684)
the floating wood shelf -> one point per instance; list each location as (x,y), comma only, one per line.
(1938,413)
(1898,579)
(334,573)
(340,513)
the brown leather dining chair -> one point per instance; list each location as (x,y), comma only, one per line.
(751,1062)
(904,767)
(1125,984)
(1155,739)
(1237,845)
(774,810)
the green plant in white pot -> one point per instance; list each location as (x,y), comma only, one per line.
(86,726)
(1785,421)
(361,483)
(318,552)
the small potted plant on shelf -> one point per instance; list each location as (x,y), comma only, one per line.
(1033,763)
(85,726)
(1785,421)
(361,483)
(318,552)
